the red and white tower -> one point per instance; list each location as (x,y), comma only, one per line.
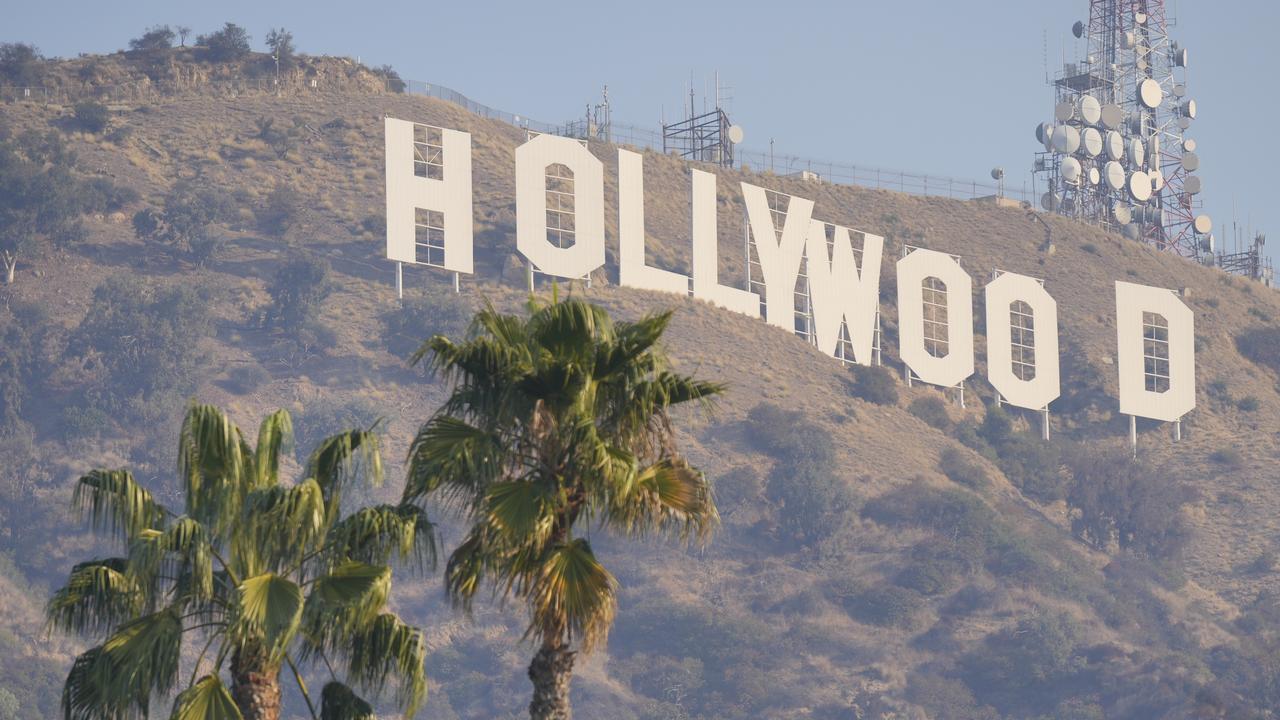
(1118,150)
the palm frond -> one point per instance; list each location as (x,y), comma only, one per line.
(115,681)
(522,512)
(279,526)
(386,651)
(338,702)
(665,495)
(344,458)
(376,534)
(98,597)
(208,699)
(212,462)
(182,551)
(112,501)
(451,455)
(344,602)
(269,607)
(571,591)
(275,435)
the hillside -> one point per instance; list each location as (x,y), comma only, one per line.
(854,575)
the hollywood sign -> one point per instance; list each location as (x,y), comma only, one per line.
(429,222)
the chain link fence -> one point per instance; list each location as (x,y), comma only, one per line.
(779,164)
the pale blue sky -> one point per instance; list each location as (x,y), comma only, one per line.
(947,88)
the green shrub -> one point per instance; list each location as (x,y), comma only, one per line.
(1118,499)
(418,319)
(1033,466)
(225,45)
(159,37)
(932,410)
(1028,666)
(298,289)
(875,384)
(1261,345)
(281,212)
(884,605)
(1248,403)
(959,468)
(1229,458)
(92,116)
(144,335)
(245,379)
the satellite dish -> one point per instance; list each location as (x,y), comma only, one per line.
(1078,29)
(1112,116)
(1184,123)
(1210,243)
(1153,151)
(997,173)
(1150,94)
(1190,162)
(1095,177)
(1091,142)
(1189,145)
(1041,135)
(1192,185)
(1122,213)
(1180,58)
(1049,201)
(1140,186)
(1130,39)
(1114,145)
(1113,173)
(1048,136)
(1136,153)
(1189,109)
(1090,109)
(1066,139)
(1063,112)
(1157,180)
(1071,170)
(1179,90)
(735,134)
(1203,224)
(1140,18)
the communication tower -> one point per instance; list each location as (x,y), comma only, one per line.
(704,137)
(1118,150)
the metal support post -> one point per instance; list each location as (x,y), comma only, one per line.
(400,280)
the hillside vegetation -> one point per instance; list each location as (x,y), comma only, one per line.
(884,553)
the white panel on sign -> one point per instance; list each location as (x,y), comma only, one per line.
(1155,353)
(706,252)
(425,178)
(587,252)
(1022,341)
(841,291)
(780,251)
(632,271)
(951,365)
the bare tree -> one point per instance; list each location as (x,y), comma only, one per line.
(183,32)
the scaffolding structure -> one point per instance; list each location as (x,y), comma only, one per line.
(1252,263)
(703,137)
(1117,152)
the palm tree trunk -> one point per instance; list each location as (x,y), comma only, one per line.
(550,672)
(255,684)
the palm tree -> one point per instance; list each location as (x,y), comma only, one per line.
(255,574)
(557,421)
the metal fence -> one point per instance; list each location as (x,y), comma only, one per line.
(779,164)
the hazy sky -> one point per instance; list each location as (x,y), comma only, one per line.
(947,88)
